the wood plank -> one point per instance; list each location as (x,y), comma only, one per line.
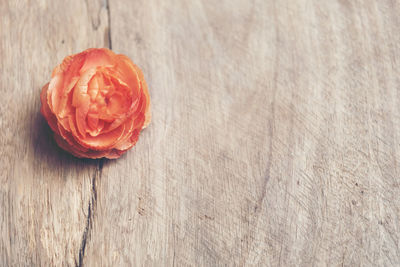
(274,138)
(44,193)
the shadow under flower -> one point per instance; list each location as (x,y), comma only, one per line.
(46,149)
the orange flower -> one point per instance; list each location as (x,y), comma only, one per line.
(96,103)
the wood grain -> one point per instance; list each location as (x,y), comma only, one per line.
(274,142)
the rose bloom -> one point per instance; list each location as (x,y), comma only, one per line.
(96,103)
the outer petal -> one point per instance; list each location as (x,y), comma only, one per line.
(143,86)
(148,105)
(63,75)
(134,125)
(102,141)
(94,58)
(45,109)
(77,153)
(93,154)
(146,93)
(69,138)
(128,74)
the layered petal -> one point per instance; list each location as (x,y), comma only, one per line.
(45,109)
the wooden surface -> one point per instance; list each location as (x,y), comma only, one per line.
(275,138)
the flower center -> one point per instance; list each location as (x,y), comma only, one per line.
(110,99)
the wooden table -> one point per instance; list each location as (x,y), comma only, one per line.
(275,138)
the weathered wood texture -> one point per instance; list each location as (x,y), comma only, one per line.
(275,136)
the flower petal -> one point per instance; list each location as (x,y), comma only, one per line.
(97,58)
(146,93)
(45,109)
(133,128)
(102,141)
(128,73)
(93,154)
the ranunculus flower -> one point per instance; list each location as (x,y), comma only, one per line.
(96,103)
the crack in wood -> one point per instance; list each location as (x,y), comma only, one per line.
(90,213)
(93,200)
(107,5)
